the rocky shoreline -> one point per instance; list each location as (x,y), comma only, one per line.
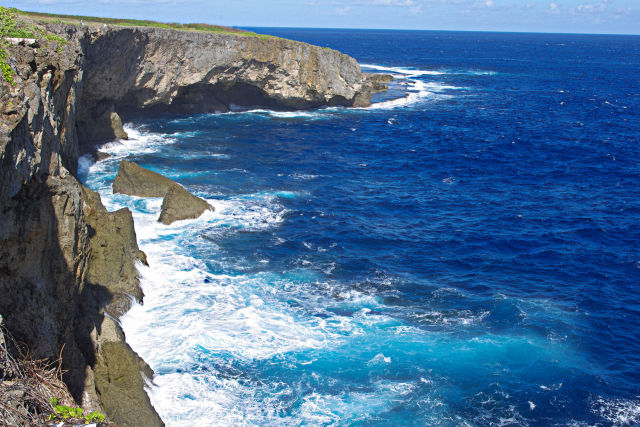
(67,265)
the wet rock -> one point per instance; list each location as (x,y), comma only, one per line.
(101,155)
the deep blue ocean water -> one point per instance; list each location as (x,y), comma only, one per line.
(466,255)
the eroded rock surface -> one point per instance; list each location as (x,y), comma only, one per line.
(64,260)
(143,69)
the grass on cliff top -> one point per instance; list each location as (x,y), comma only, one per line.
(11,26)
(77,19)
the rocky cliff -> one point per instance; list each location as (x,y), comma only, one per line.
(136,70)
(67,266)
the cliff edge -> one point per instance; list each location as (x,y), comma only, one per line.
(138,70)
(67,265)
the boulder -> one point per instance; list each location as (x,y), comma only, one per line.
(179,204)
(134,180)
(379,82)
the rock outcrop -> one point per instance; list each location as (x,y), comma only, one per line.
(178,203)
(134,180)
(142,69)
(67,266)
(114,252)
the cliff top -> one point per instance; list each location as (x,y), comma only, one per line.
(93,20)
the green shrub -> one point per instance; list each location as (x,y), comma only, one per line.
(65,413)
(11,26)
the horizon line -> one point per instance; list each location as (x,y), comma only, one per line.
(435,30)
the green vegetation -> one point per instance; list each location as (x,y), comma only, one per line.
(12,26)
(9,27)
(76,19)
(6,70)
(68,413)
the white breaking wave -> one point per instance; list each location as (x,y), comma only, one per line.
(192,316)
(413,72)
(417,90)
(618,412)
(319,114)
(403,71)
(139,142)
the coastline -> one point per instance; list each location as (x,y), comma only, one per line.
(83,86)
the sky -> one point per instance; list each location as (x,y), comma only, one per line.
(557,16)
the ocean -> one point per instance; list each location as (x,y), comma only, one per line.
(465,255)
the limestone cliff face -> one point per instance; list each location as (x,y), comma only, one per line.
(64,260)
(151,69)
(67,266)
(43,241)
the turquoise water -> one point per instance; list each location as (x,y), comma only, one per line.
(465,255)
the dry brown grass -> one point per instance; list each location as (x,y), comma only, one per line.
(27,385)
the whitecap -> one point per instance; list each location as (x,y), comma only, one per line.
(403,71)
(84,164)
(139,142)
(618,412)
(378,359)
(304,176)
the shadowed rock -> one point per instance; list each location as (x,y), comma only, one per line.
(119,380)
(114,250)
(65,262)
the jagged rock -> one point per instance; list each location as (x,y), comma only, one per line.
(44,248)
(145,69)
(134,180)
(120,384)
(46,239)
(379,82)
(179,204)
(101,155)
(114,250)
(102,123)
